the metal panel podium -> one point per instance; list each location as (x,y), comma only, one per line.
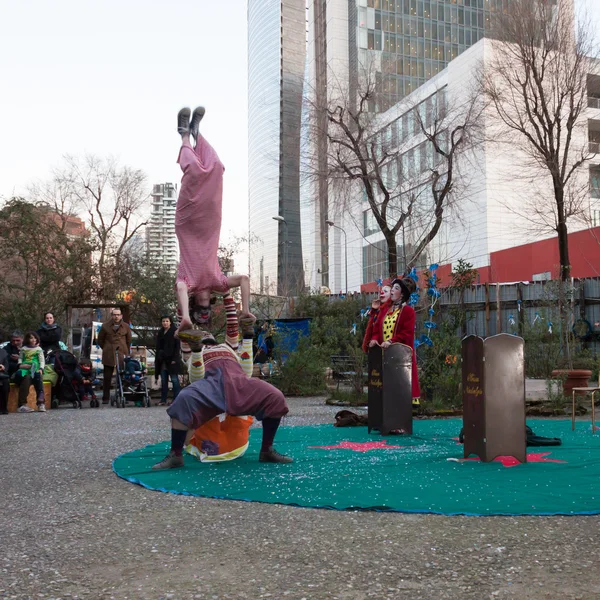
(493,389)
(390,389)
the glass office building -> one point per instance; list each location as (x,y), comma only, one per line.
(418,38)
(406,42)
(276,60)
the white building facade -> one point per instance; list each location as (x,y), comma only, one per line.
(422,51)
(161,239)
(497,193)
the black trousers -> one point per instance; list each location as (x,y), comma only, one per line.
(108,374)
(4,391)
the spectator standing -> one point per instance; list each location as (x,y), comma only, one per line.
(50,334)
(31,367)
(4,382)
(168,358)
(114,336)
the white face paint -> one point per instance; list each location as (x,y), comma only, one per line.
(384,294)
(396,293)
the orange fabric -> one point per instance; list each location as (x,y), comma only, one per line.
(230,434)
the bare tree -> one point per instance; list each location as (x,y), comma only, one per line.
(409,179)
(112,197)
(536,82)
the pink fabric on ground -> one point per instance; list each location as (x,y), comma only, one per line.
(198,218)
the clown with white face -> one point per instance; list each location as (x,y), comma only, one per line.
(383,300)
(396,323)
(384,293)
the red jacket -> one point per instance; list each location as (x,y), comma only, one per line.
(373,317)
(404,333)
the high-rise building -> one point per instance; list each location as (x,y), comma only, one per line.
(161,240)
(276,63)
(501,189)
(402,44)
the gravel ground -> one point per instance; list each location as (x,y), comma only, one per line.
(70,528)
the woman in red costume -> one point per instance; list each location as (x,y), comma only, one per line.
(376,306)
(396,322)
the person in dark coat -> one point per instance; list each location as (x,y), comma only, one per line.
(4,382)
(50,334)
(168,358)
(13,349)
(114,336)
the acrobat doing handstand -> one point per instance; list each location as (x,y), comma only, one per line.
(222,388)
(198,226)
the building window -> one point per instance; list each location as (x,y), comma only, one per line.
(369,223)
(595,184)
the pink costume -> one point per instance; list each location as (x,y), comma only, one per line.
(198,218)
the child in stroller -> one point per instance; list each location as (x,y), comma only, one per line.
(133,371)
(86,385)
(131,383)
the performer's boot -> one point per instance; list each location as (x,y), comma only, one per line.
(183,121)
(247,327)
(196,338)
(272,456)
(171,461)
(267,452)
(196,118)
(175,457)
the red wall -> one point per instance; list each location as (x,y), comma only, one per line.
(521,263)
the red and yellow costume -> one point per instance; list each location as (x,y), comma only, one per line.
(396,324)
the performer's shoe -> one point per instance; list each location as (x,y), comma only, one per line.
(196,118)
(193,338)
(247,326)
(272,456)
(183,121)
(171,461)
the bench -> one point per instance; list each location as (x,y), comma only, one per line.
(13,397)
(343,368)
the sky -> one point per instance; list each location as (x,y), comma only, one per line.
(108,78)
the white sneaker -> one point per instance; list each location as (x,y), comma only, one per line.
(41,408)
(25,409)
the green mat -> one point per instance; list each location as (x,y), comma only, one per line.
(348,469)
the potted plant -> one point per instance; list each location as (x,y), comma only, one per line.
(578,375)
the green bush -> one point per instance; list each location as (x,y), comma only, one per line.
(440,367)
(303,372)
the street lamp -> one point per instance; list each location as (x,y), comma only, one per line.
(332,224)
(281,219)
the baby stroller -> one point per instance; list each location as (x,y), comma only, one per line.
(69,377)
(131,382)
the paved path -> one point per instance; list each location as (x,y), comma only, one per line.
(69,528)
